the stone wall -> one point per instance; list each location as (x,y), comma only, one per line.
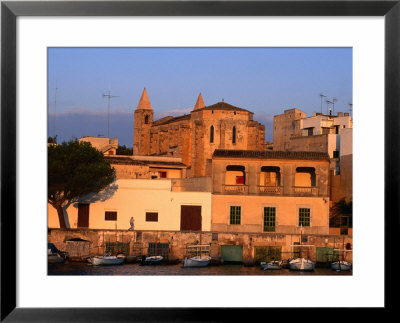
(139,241)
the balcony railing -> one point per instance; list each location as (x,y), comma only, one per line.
(272,189)
(236,189)
(306,190)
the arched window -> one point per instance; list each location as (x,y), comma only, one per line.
(234,135)
(212,134)
(146,119)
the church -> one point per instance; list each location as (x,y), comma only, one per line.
(194,137)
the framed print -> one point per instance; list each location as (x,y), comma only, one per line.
(37,35)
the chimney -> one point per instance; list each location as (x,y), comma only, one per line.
(340,114)
(346,114)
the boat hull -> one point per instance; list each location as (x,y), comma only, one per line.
(196,262)
(55,258)
(301,264)
(342,266)
(106,261)
(272,265)
(153,260)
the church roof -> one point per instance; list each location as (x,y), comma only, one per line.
(144,102)
(199,103)
(270,154)
(223,106)
(171,119)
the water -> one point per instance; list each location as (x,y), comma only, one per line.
(76,268)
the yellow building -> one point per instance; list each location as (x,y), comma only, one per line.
(154,205)
(270,191)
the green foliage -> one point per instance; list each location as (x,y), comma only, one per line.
(52,140)
(339,211)
(76,169)
(123,150)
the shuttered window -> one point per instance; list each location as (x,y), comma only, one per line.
(235,215)
(110,216)
(304,217)
(269,219)
(152,216)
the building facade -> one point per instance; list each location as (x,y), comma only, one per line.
(195,136)
(269,191)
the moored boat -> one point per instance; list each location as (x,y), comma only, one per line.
(106,260)
(197,261)
(301,264)
(341,265)
(153,260)
(54,255)
(271,265)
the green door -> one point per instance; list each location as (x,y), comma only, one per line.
(232,253)
(326,255)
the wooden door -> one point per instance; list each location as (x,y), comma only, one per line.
(190,218)
(83,215)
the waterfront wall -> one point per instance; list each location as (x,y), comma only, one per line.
(138,241)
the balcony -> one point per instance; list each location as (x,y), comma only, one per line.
(305,190)
(270,190)
(236,189)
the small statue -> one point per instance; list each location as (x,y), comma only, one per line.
(132,222)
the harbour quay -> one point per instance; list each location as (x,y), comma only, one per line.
(248,248)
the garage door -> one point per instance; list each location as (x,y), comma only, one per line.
(232,253)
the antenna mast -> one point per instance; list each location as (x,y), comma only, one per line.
(322,96)
(351,107)
(333,104)
(109,96)
(327,106)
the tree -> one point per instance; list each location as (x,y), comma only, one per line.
(75,169)
(339,210)
(123,150)
(52,140)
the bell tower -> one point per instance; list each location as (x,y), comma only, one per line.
(143,119)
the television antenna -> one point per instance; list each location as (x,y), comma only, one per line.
(327,107)
(333,104)
(351,107)
(322,96)
(109,96)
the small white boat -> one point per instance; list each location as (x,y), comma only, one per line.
(197,261)
(54,258)
(271,265)
(153,260)
(301,264)
(341,265)
(106,260)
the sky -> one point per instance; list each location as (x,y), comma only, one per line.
(265,81)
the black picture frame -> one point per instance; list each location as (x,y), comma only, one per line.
(10,10)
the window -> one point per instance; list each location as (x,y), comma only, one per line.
(212,134)
(234,135)
(235,214)
(304,217)
(163,174)
(336,154)
(151,216)
(269,219)
(110,216)
(146,119)
(310,131)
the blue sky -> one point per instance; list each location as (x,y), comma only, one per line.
(265,81)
